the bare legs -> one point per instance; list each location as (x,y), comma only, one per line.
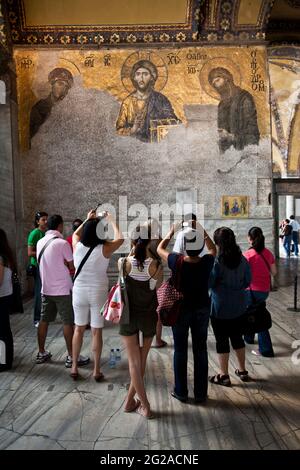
(241,356)
(224,358)
(159,343)
(137,357)
(42,335)
(97,349)
(76,346)
(68,335)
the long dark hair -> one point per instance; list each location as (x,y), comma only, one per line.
(140,238)
(91,233)
(229,252)
(6,251)
(257,238)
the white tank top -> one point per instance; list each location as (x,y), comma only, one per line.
(94,271)
(143,275)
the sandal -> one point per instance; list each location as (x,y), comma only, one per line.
(242,374)
(98,377)
(161,345)
(133,407)
(141,410)
(220,380)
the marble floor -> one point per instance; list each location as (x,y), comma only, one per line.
(42,408)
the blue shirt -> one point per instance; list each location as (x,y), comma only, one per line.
(228,295)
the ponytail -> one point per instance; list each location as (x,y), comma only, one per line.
(140,252)
(140,240)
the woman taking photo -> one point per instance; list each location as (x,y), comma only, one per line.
(7,266)
(229,279)
(143,276)
(194,315)
(91,285)
(262,265)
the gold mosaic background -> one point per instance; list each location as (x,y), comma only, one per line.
(285,96)
(182,77)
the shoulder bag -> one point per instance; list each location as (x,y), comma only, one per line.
(170,297)
(82,263)
(116,308)
(44,248)
(256,318)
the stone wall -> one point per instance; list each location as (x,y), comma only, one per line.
(77,159)
(11,208)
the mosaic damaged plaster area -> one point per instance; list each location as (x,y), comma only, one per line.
(144,123)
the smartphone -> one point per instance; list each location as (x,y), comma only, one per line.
(185,224)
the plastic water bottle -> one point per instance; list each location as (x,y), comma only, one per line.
(112,359)
(118,354)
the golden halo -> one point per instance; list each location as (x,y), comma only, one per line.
(212,64)
(162,70)
(69,65)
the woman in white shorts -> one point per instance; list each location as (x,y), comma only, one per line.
(91,285)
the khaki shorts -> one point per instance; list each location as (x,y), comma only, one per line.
(51,304)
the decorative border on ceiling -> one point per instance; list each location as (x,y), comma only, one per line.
(101,35)
(225,27)
(3,30)
(206,21)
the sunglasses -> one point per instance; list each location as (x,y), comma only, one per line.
(38,215)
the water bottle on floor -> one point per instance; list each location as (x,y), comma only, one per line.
(112,359)
(118,354)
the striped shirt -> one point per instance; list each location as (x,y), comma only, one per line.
(136,273)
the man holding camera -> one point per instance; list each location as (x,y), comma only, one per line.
(190,230)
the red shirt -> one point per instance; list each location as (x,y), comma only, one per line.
(260,273)
(69,240)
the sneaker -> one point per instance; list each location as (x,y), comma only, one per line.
(36,323)
(255,352)
(42,357)
(82,361)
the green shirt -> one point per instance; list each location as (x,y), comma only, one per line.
(33,238)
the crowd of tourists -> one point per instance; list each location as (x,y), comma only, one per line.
(217,282)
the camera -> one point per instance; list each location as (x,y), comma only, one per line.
(185,224)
